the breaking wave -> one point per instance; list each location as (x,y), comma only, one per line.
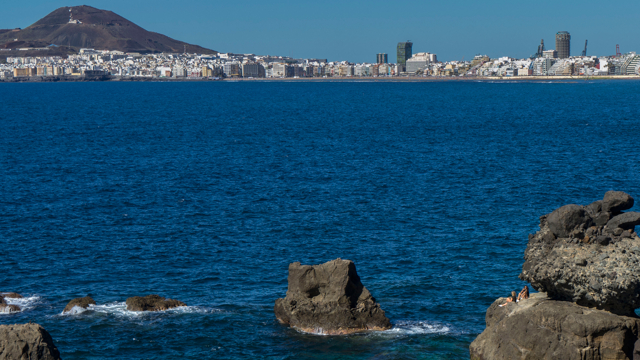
(418,327)
(25,303)
(119,309)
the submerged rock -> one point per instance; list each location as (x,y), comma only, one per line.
(6,308)
(329,299)
(152,303)
(596,266)
(540,328)
(28,341)
(11,295)
(82,303)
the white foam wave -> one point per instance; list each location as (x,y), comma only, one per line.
(25,303)
(119,309)
(418,327)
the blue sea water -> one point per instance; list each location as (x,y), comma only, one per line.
(205,192)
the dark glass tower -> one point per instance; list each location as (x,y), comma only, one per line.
(563,44)
(404,53)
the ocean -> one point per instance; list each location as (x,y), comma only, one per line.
(205,192)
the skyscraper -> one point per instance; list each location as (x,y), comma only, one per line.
(404,53)
(563,44)
(382,58)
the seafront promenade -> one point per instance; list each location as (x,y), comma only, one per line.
(111,78)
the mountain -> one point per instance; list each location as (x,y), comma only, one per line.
(72,28)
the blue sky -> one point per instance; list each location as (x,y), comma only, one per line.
(357,30)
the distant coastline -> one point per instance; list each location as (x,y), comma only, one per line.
(111,78)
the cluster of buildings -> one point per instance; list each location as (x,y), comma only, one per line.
(90,62)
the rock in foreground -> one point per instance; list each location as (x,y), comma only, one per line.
(82,303)
(26,342)
(589,255)
(329,299)
(152,303)
(540,328)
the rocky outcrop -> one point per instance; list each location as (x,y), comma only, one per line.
(329,299)
(26,342)
(7,308)
(82,303)
(152,303)
(540,328)
(589,255)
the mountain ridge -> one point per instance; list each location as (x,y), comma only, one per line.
(76,27)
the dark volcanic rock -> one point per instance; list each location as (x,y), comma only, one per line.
(329,299)
(626,221)
(26,342)
(616,201)
(596,268)
(567,218)
(83,303)
(539,328)
(152,303)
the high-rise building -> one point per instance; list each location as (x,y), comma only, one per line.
(563,44)
(382,59)
(405,50)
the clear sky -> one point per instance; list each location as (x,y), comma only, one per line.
(357,30)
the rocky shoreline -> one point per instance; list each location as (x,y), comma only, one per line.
(585,261)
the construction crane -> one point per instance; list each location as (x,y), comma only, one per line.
(584,52)
(618,51)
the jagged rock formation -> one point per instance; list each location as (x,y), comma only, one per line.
(152,303)
(26,342)
(82,302)
(6,308)
(589,255)
(83,26)
(540,328)
(329,299)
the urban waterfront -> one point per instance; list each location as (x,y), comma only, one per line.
(205,192)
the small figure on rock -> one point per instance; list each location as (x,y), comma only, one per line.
(524,294)
(509,300)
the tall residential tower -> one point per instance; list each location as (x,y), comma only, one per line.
(382,58)
(404,53)
(563,44)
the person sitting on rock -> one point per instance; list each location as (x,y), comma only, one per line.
(509,300)
(524,294)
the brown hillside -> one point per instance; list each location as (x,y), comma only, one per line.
(98,29)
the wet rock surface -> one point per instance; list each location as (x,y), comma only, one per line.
(540,328)
(329,299)
(82,302)
(7,308)
(26,342)
(588,255)
(152,303)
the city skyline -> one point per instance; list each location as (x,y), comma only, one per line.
(356,32)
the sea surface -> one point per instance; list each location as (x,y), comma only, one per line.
(205,192)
